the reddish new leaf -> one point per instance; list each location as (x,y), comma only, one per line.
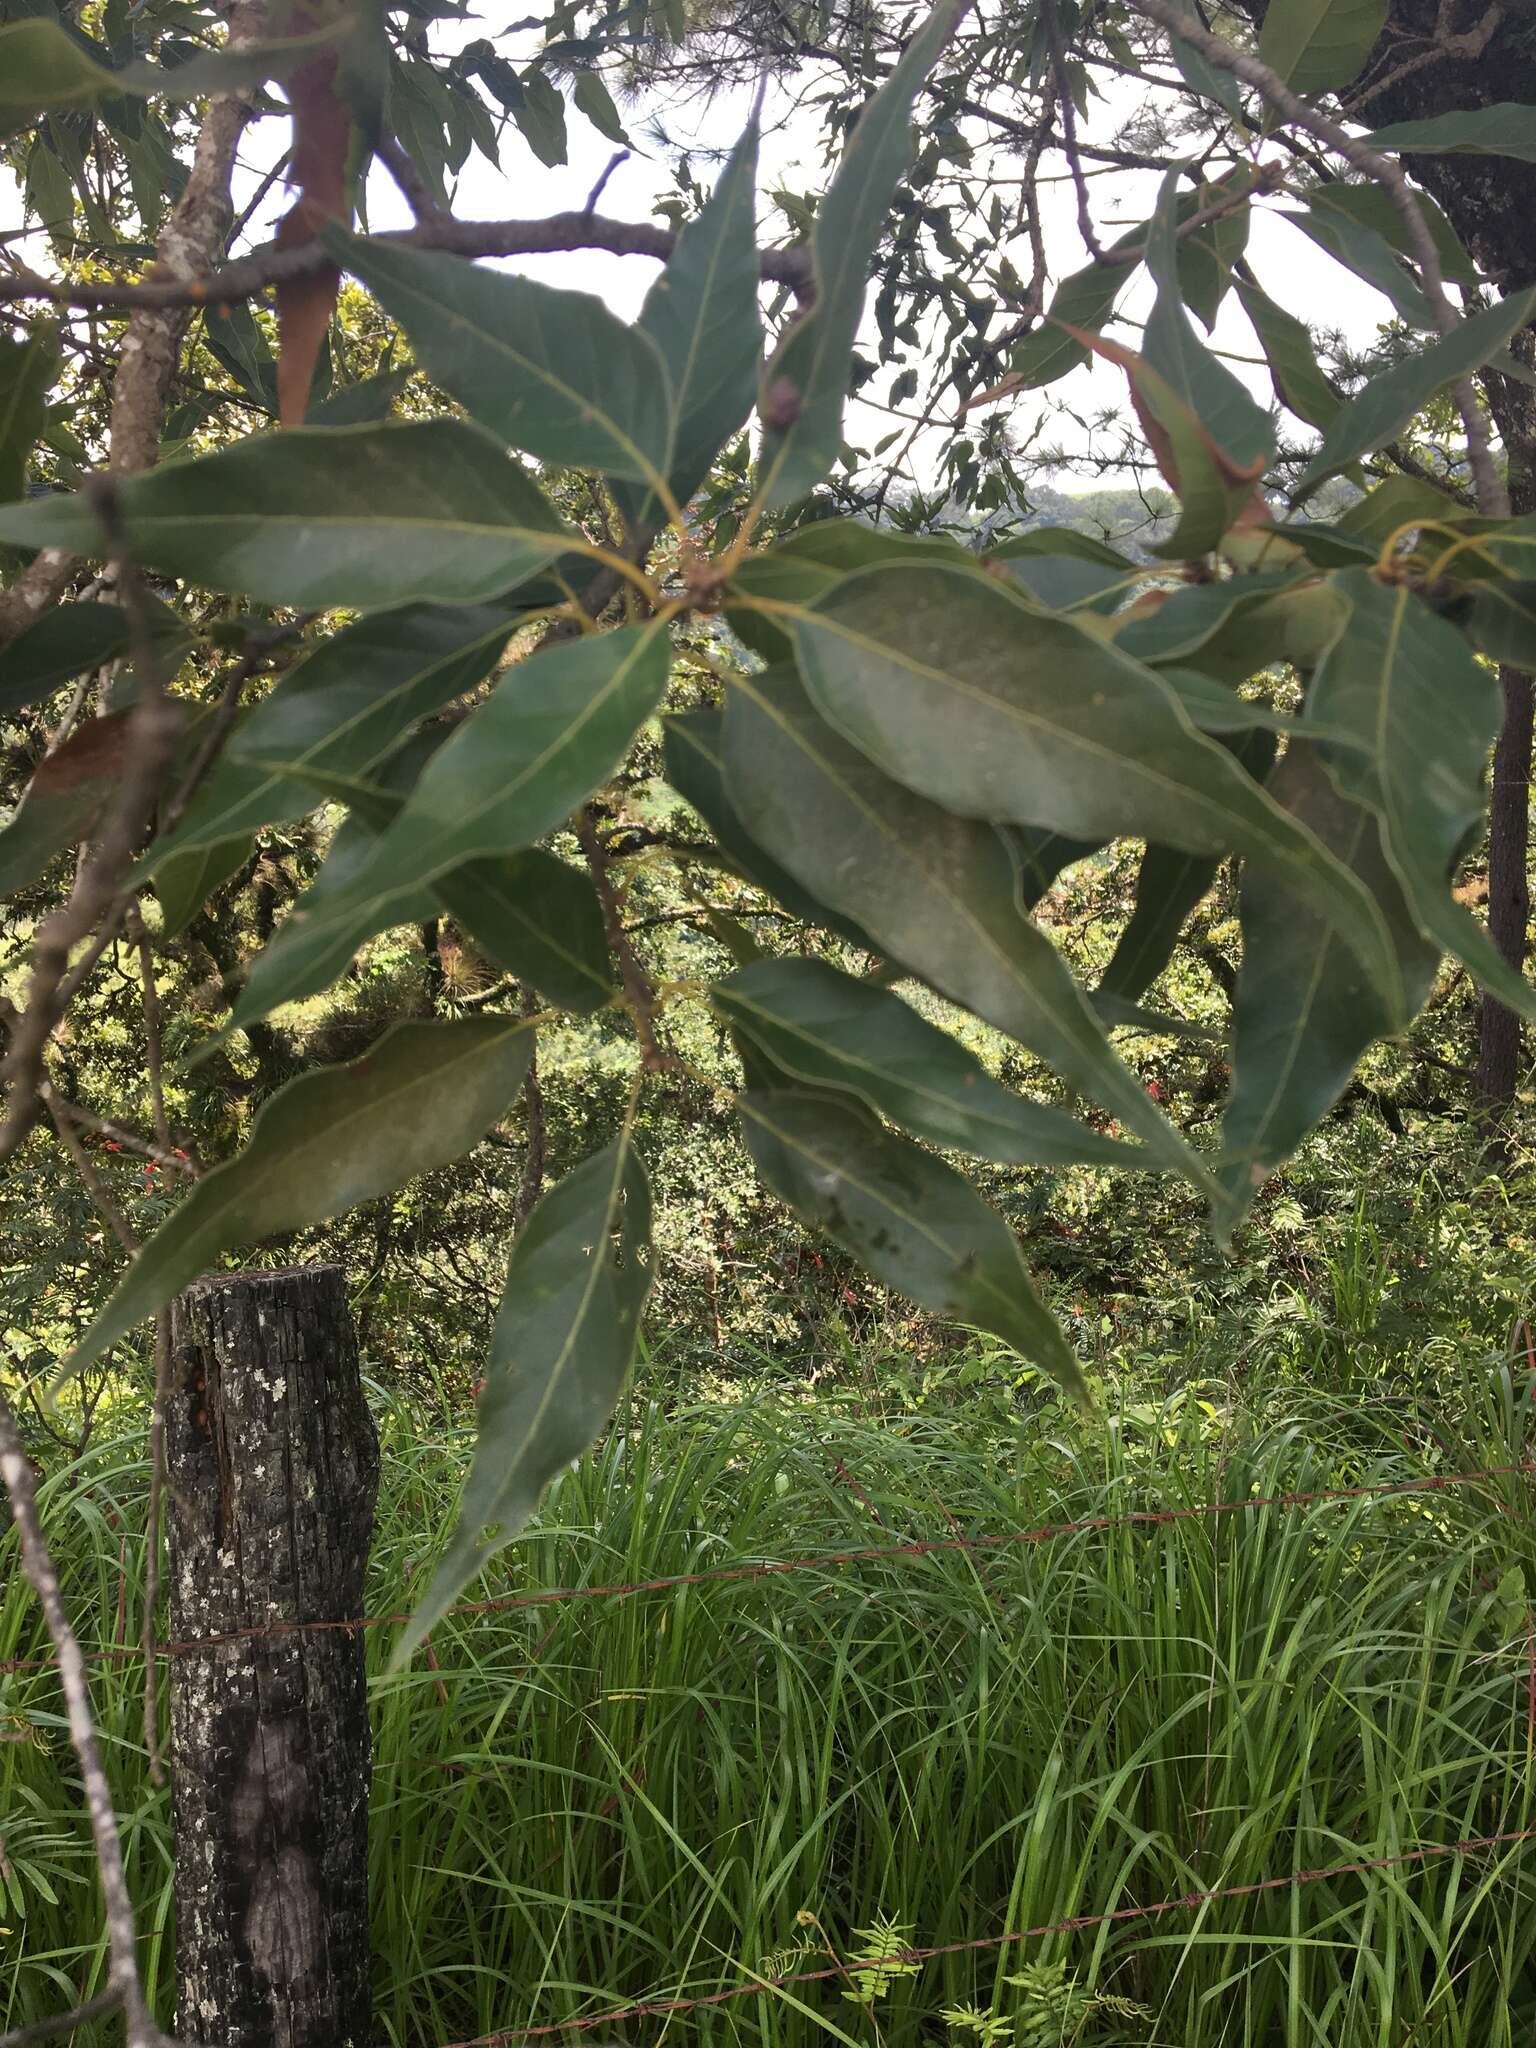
(318,167)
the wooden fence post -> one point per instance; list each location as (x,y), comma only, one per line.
(272,1471)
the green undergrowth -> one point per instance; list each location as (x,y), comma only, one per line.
(609,1799)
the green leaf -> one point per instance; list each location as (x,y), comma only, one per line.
(1320,45)
(1397,502)
(1200,74)
(798,569)
(1369,255)
(27,371)
(1226,410)
(1370,205)
(540,115)
(60,644)
(319,516)
(1500,130)
(828,1030)
(1230,629)
(186,881)
(538,918)
(593,99)
(1084,301)
(1066,576)
(1407,683)
(560,1353)
(1384,406)
(936,892)
(1206,258)
(1304,1011)
(44,68)
(1298,378)
(552,372)
(995,711)
(341,709)
(554,727)
(806,379)
(910,1219)
(322,1144)
(1168,887)
(693,744)
(1039,857)
(702,315)
(1501,622)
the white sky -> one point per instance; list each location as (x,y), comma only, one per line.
(1293,270)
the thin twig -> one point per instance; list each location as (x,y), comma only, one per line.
(95,1187)
(62,2022)
(619,156)
(37,1563)
(148,744)
(654,1057)
(1065,102)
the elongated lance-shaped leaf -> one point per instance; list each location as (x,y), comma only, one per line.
(539,918)
(64,642)
(1372,206)
(996,711)
(1168,886)
(552,729)
(368,516)
(28,367)
(186,881)
(1237,424)
(910,1219)
(1304,1012)
(1370,256)
(322,1144)
(1039,857)
(826,1029)
(1406,682)
(1186,621)
(1500,130)
(552,372)
(560,1352)
(1383,406)
(1320,45)
(531,913)
(340,710)
(1299,381)
(935,891)
(805,381)
(703,316)
(692,749)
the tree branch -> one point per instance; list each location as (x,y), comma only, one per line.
(559,233)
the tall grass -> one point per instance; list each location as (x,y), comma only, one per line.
(604,1800)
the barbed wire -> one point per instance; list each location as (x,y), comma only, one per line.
(1077,1923)
(767,1568)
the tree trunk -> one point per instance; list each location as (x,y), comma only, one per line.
(272,1471)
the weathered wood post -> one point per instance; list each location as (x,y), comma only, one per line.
(272,1470)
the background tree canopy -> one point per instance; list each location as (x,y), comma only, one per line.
(359,586)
